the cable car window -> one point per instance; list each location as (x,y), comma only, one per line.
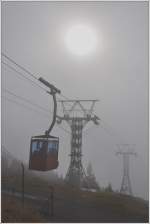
(52,147)
(36,146)
(39,145)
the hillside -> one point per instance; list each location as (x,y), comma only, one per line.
(70,204)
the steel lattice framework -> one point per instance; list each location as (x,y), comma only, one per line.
(77,119)
(126,183)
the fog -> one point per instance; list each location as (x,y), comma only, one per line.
(116,73)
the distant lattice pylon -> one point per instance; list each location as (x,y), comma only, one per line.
(126,150)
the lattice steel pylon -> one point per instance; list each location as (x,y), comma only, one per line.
(77,119)
(126,183)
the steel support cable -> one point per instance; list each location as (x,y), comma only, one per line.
(27,71)
(26,100)
(23,68)
(113,132)
(32,82)
(109,133)
(104,128)
(20,66)
(24,76)
(30,108)
(25,106)
(35,84)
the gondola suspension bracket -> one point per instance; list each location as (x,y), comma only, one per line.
(53,91)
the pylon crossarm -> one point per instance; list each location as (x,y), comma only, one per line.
(63,106)
(73,106)
(82,108)
(92,106)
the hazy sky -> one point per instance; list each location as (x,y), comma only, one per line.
(116,73)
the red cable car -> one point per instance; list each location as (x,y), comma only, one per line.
(44,153)
(44,148)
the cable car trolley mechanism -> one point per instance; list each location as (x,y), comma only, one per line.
(44,148)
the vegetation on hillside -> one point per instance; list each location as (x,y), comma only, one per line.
(12,211)
(70,204)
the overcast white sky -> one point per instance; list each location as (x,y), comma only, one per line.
(116,73)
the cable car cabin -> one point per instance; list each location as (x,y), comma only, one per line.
(44,153)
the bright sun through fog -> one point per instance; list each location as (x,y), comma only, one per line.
(81,40)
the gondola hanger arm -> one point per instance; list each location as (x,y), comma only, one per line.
(53,91)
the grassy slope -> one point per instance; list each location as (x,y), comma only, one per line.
(11,211)
(104,206)
(72,205)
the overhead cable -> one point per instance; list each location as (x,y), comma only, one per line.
(29,108)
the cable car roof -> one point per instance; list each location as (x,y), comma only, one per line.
(45,137)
